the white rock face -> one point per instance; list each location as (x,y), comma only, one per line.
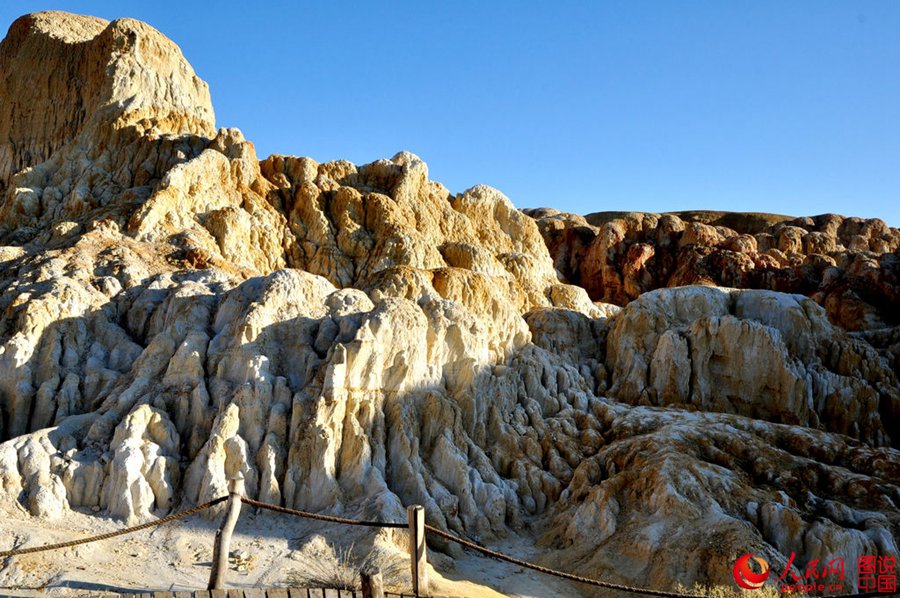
(356,339)
(762,354)
(144,469)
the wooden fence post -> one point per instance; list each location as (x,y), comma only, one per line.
(416,516)
(223,534)
(372,584)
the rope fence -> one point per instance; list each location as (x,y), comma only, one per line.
(417,529)
(121,532)
(318,517)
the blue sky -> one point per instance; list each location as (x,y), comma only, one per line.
(772,106)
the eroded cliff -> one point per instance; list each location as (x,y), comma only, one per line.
(357,339)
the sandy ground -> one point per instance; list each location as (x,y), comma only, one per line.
(177,556)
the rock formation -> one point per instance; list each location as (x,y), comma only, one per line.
(357,339)
(849,266)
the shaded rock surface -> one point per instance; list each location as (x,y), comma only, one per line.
(355,339)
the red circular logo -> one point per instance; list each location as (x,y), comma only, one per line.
(746,577)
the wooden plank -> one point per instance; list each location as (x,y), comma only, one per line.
(254,593)
(329,593)
(235,594)
(277,594)
(198,594)
(218,594)
(163,595)
(183,595)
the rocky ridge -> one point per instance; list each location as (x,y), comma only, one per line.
(354,339)
(849,266)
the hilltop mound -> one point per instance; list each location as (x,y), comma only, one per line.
(98,75)
(354,339)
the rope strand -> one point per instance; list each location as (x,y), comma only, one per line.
(586,580)
(596,582)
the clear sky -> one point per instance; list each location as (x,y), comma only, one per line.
(771,106)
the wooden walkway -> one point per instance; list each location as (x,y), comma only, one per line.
(260,593)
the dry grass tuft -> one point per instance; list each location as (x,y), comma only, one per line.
(339,567)
(729,592)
